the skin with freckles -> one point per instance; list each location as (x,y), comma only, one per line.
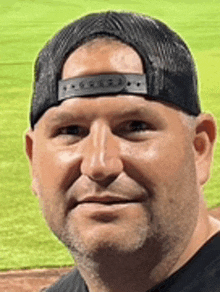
(120,178)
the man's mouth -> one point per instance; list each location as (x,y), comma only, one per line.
(107,200)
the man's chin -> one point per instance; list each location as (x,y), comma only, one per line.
(95,228)
(104,240)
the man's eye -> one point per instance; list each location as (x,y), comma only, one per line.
(74,131)
(136,126)
(135,130)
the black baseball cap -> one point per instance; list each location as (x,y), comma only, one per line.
(170,74)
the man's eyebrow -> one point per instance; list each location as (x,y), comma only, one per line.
(137,111)
(60,117)
(63,116)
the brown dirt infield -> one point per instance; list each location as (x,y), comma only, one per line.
(35,280)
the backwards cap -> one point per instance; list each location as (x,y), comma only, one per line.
(169,68)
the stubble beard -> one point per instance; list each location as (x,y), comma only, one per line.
(146,246)
(101,248)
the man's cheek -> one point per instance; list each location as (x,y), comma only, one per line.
(49,169)
(161,162)
(53,209)
(60,169)
(167,161)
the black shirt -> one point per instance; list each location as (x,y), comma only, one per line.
(200,274)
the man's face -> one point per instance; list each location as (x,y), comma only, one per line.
(115,171)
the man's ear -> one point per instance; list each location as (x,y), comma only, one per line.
(204,140)
(29,145)
(29,151)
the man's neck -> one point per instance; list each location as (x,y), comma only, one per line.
(207,227)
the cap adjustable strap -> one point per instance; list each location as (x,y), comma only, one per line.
(101,85)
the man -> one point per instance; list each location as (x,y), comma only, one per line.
(120,151)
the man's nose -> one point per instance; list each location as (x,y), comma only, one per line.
(101,158)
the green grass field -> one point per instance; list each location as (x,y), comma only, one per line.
(25,241)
